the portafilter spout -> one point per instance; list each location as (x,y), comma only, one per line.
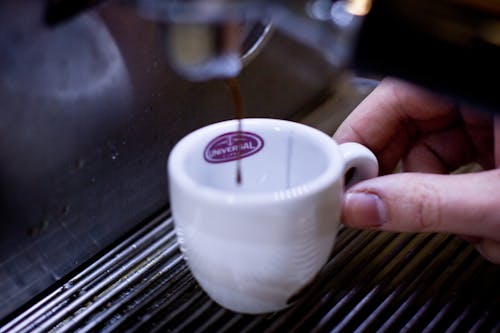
(207,39)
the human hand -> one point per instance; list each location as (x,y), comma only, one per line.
(432,137)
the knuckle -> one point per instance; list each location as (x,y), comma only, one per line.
(428,207)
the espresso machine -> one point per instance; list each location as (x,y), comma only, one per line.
(94,94)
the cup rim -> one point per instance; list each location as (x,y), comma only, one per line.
(180,151)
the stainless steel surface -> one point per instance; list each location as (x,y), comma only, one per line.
(89,109)
(207,38)
(448,46)
(374,282)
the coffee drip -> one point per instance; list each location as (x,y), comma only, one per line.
(238,109)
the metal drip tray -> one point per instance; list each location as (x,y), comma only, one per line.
(374,282)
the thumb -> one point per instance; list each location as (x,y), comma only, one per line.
(467,204)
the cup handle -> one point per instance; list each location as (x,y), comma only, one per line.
(359,163)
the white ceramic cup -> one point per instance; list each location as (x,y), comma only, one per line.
(252,246)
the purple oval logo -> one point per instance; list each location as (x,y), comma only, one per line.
(231,146)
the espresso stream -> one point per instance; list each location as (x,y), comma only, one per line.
(236,95)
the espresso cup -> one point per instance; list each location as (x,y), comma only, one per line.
(252,246)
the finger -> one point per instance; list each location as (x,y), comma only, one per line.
(480,129)
(409,202)
(490,250)
(441,152)
(391,116)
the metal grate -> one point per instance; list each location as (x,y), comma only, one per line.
(374,282)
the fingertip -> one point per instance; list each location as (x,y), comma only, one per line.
(363,210)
